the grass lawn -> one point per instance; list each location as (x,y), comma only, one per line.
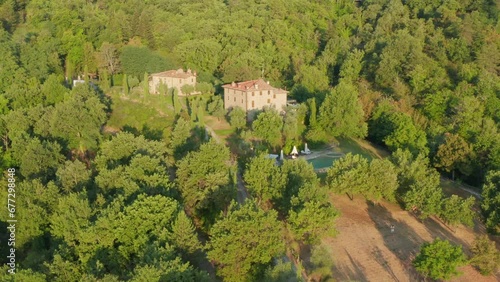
(150,116)
(223,133)
(361,147)
(221,127)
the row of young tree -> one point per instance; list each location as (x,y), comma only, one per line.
(402,178)
(440,259)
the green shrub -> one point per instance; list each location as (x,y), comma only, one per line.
(485,256)
(439,259)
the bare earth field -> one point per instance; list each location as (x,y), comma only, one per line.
(366,250)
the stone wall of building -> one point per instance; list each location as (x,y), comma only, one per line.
(172,79)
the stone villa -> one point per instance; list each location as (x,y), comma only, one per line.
(253,96)
(172,79)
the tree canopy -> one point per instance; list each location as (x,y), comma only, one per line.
(341,114)
(247,237)
(102,201)
(439,259)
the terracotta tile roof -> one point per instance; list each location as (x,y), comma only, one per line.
(252,85)
(180,73)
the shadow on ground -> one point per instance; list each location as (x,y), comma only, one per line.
(438,230)
(353,272)
(404,242)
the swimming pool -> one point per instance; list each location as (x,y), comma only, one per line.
(325,161)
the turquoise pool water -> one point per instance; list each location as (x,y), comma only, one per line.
(325,161)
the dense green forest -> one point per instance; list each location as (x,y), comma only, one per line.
(418,77)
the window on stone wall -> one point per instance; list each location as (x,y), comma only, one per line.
(253,94)
(260,93)
(268,92)
(269,101)
(235,99)
(253,105)
(274,96)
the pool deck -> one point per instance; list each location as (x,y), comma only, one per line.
(319,153)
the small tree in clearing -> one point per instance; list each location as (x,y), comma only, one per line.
(439,259)
(237,118)
(485,255)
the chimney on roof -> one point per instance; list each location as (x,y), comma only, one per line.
(233,84)
(189,71)
(267,82)
(180,71)
(256,86)
(194,73)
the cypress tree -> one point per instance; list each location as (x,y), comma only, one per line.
(312,109)
(105,82)
(145,82)
(125,84)
(175,101)
(86,73)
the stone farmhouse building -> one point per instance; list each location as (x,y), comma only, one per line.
(172,79)
(253,96)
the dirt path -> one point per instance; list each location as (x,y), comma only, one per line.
(213,134)
(366,250)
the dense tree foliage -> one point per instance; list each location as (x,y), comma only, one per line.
(268,127)
(264,180)
(419,186)
(203,177)
(453,154)
(420,57)
(485,255)
(243,240)
(294,190)
(457,210)
(418,77)
(491,201)
(312,220)
(353,174)
(347,175)
(216,107)
(237,118)
(341,114)
(299,174)
(129,164)
(397,130)
(439,259)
